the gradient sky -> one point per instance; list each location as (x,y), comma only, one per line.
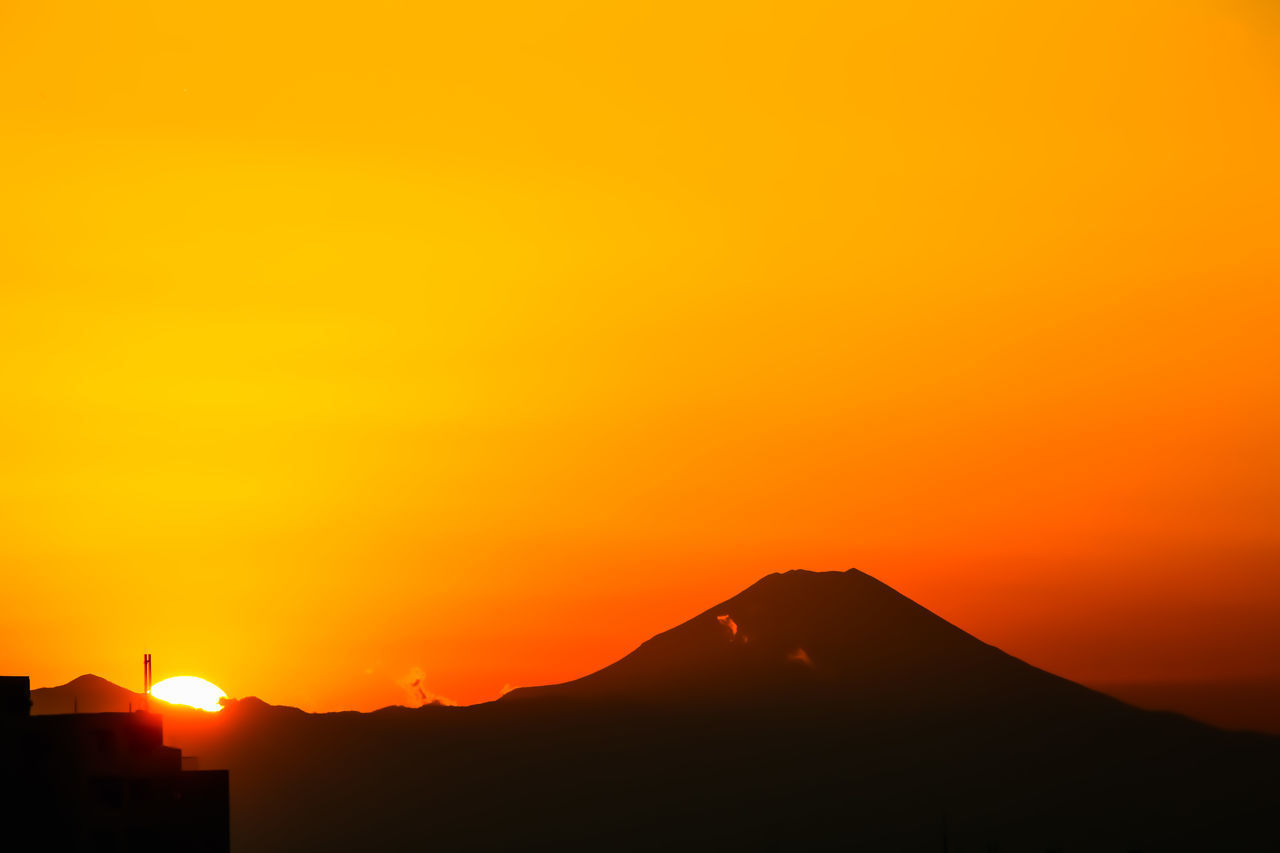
(344,342)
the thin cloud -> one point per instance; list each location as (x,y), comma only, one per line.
(417,693)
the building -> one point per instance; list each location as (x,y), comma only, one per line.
(102,782)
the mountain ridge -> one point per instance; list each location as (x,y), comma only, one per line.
(810,710)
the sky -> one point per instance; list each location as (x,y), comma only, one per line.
(343,345)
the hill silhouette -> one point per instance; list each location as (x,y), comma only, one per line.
(811,710)
(88,694)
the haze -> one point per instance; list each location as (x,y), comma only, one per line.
(343,347)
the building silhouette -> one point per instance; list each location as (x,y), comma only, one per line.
(102,781)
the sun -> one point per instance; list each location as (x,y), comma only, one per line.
(189,690)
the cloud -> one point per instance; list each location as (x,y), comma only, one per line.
(418,694)
(727,621)
(802,656)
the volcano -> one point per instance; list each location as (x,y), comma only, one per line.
(832,638)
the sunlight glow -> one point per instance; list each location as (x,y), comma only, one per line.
(189,690)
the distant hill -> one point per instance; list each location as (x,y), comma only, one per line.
(812,710)
(87,694)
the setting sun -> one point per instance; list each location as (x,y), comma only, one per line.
(189,690)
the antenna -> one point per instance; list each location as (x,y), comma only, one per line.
(146,681)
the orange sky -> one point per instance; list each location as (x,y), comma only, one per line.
(339,341)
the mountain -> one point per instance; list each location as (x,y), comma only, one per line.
(87,694)
(812,710)
(834,637)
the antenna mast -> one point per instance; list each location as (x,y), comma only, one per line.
(146,681)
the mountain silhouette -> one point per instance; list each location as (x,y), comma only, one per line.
(812,710)
(88,694)
(841,637)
